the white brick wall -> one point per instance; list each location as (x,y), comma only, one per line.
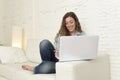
(1,22)
(108,29)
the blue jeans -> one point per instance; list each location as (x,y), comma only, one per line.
(48,58)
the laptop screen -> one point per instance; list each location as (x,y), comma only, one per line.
(78,47)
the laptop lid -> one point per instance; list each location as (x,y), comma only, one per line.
(78,47)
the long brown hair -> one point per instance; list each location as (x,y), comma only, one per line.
(63,30)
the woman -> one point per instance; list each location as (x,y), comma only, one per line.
(70,27)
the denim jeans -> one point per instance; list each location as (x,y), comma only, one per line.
(48,58)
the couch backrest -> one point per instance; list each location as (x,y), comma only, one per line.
(32,50)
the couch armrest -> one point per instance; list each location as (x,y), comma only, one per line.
(97,69)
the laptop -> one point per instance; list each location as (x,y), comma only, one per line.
(78,48)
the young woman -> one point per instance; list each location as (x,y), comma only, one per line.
(70,27)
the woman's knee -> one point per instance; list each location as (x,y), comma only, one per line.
(44,42)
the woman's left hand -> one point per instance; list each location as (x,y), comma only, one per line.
(56,52)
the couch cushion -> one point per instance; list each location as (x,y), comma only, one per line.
(2,78)
(11,55)
(15,72)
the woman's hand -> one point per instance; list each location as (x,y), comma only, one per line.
(56,52)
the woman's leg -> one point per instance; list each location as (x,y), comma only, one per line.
(48,59)
(46,67)
(47,51)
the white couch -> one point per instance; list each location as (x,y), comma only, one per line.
(12,58)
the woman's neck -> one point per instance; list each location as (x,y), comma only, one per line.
(73,33)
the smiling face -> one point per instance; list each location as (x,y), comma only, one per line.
(70,25)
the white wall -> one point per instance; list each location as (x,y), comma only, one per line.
(108,29)
(1,22)
(17,13)
(48,20)
(41,22)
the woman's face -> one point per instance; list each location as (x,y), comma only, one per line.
(70,24)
